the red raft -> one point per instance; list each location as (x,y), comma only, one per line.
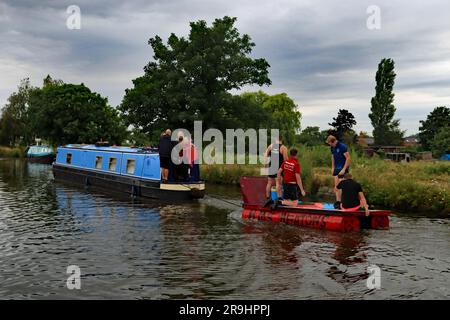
(312,215)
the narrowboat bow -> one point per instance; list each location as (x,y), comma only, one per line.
(40,154)
(312,215)
(135,171)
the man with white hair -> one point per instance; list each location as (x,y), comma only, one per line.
(165,150)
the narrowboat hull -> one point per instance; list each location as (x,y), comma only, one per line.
(313,217)
(44,159)
(133,186)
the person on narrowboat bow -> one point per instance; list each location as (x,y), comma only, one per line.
(165,150)
(340,163)
(277,153)
(181,168)
(292,183)
(191,153)
(352,194)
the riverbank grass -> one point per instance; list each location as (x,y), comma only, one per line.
(8,152)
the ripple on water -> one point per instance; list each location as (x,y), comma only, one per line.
(133,250)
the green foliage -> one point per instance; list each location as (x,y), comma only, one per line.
(349,137)
(69,113)
(16,152)
(139,138)
(440,144)
(343,124)
(189,78)
(437,168)
(386,130)
(227,174)
(311,136)
(247,111)
(437,119)
(13,122)
(275,112)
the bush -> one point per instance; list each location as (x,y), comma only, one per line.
(7,152)
(441,142)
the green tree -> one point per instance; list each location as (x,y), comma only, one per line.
(343,123)
(386,129)
(14,123)
(139,138)
(312,136)
(283,115)
(68,113)
(436,120)
(190,78)
(440,144)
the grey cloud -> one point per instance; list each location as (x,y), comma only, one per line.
(321,53)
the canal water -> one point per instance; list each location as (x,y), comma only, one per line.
(126,249)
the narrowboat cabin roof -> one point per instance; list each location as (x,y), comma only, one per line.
(111,148)
(41,149)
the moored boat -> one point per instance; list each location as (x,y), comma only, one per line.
(40,154)
(134,171)
(312,215)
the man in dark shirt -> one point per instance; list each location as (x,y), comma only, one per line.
(352,197)
(165,150)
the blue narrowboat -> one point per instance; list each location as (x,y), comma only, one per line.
(135,171)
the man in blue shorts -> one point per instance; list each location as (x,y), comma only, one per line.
(340,164)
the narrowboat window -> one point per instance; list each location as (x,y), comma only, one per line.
(112,164)
(130,166)
(69,158)
(98,162)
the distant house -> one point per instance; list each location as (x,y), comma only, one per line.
(411,141)
(365,141)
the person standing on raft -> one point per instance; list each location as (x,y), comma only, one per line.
(292,179)
(340,164)
(352,194)
(277,153)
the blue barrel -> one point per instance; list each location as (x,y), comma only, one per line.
(273,193)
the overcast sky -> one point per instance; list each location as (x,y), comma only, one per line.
(322,54)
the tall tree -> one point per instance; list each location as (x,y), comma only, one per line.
(437,119)
(190,78)
(68,113)
(13,122)
(343,123)
(386,129)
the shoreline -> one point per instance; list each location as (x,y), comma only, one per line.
(12,152)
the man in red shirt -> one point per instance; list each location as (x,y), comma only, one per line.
(292,179)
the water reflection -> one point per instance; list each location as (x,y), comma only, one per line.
(131,249)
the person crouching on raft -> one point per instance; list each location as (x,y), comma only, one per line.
(340,164)
(277,153)
(292,179)
(352,194)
